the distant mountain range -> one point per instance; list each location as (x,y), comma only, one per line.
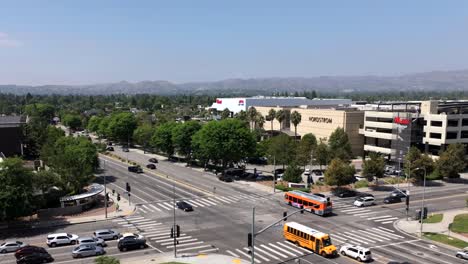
(427,81)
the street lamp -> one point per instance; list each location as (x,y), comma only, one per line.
(422,201)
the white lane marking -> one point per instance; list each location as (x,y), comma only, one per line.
(208,250)
(377,217)
(389,234)
(355,210)
(248,256)
(172,239)
(359,238)
(389,230)
(274,251)
(383,233)
(171,243)
(155,236)
(197,203)
(148,225)
(165,206)
(374,236)
(424,256)
(223,199)
(281,249)
(365,214)
(386,219)
(206,200)
(258,255)
(203,203)
(210,199)
(170,205)
(232,254)
(288,247)
(433,250)
(188,244)
(187,249)
(133,195)
(152,206)
(387,222)
(142,210)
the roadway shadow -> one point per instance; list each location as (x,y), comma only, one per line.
(381,188)
(109,179)
(457,181)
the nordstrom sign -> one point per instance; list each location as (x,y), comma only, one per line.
(320,119)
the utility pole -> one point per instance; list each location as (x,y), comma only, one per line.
(422,202)
(274,174)
(253,236)
(174,226)
(105,187)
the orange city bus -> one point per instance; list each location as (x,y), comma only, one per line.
(312,239)
(312,203)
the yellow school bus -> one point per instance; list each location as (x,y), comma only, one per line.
(312,239)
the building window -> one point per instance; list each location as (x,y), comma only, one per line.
(436,123)
(452,123)
(465,122)
(464,134)
(435,135)
(452,135)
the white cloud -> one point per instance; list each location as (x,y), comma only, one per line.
(7,41)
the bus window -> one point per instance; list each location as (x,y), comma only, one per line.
(307,236)
(317,206)
(326,241)
(312,238)
(299,201)
(294,199)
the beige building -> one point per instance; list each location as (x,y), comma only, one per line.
(321,122)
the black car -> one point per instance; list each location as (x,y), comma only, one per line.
(225,178)
(342,193)
(257,160)
(130,244)
(151,166)
(35,258)
(278,171)
(400,194)
(136,169)
(110,148)
(184,206)
(392,199)
(28,250)
(153,160)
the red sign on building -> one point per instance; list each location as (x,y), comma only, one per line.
(401,121)
(219,101)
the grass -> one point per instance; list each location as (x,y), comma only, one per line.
(361,184)
(435,218)
(455,242)
(172,262)
(460,224)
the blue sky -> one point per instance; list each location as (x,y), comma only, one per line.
(80,42)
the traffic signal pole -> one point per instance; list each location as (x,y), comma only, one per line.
(253,236)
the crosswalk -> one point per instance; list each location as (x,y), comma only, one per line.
(270,252)
(197,202)
(366,213)
(366,237)
(159,234)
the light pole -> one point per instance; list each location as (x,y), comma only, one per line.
(105,188)
(422,201)
(174,232)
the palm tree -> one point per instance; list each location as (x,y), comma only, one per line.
(295,119)
(280,116)
(252,115)
(271,117)
(260,120)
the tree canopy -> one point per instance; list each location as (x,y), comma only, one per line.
(373,167)
(293,173)
(339,173)
(281,149)
(71,120)
(182,137)
(162,138)
(122,125)
(451,161)
(306,149)
(339,144)
(416,162)
(142,134)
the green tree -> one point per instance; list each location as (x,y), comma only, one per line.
(182,137)
(282,149)
(415,161)
(242,115)
(106,260)
(293,173)
(322,154)
(373,167)
(280,116)
(103,128)
(260,120)
(162,138)
(295,119)
(16,193)
(306,149)
(72,121)
(339,173)
(51,136)
(122,125)
(142,134)
(93,123)
(225,113)
(339,144)
(42,112)
(451,161)
(224,142)
(252,117)
(271,117)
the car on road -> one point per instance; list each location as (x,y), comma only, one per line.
(392,199)
(151,166)
(92,241)
(364,201)
(29,250)
(343,193)
(125,149)
(257,160)
(462,254)
(11,246)
(58,239)
(399,193)
(87,251)
(225,178)
(358,253)
(35,258)
(184,206)
(153,160)
(279,173)
(110,148)
(132,236)
(135,169)
(106,234)
(131,243)
(363,195)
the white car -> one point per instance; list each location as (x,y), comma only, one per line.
(364,201)
(132,235)
(356,252)
(462,254)
(61,239)
(11,246)
(106,234)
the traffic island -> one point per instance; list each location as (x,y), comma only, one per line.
(168,258)
(445,239)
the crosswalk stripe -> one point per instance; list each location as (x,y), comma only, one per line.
(148,225)
(288,247)
(199,204)
(338,240)
(152,206)
(158,236)
(187,249)
(388,230)
(384,233)
(141,221)
(359,238)
(156,231)
(166,207)
(232,254)
(188,244)
(222,199)
(208,250)
(212,200)
(276,252)
(374,236)
(233,199)
(258,249)
(143,210)
(281,249)
(386,219)
(387,222)
(171,239)
(170,205)
(184,241)
(206,200)
(248,256)
(146,207)
(130,218)
(258,255)
(364,214)
(353,211)
(377,217)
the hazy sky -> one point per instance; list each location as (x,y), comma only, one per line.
(76,42)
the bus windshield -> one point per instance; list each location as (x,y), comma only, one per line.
(326,242)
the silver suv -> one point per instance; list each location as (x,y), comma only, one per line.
(106,234)
(364,201)
(61,239)
(93,241)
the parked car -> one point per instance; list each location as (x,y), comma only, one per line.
(364,201)
(87,251)
(279,172)
(462,254)
(151,166)
(257,160)
(131,243)
(234,172)
(28,250)
(135,169)
(363,195)
(184,206)
(392,199)
(110,148)
(399,193)
(132,235)
(106,234)
(153,160)
(35,258)
(342,193)
(225,178)
(11,246)
(61,239)
(358,253)
(94,241)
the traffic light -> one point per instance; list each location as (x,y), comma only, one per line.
(113,191)
(249,239)
(128,187)
(177,231)
(118,197)
(172,232)
(302,209)
(284,216)
(107,197)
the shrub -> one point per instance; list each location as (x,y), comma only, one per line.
(287,189)
(293,173)
(361,184)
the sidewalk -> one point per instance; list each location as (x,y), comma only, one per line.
(197,259)
(413,226)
